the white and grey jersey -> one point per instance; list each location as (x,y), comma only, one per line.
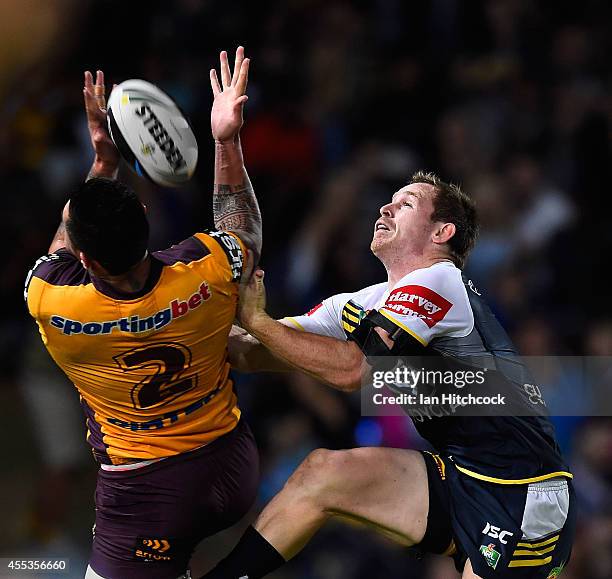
(427,303)
(446,314)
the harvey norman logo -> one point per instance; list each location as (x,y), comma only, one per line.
(419,301)
(134,324)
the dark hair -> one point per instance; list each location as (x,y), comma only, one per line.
(452,205)
(107,222)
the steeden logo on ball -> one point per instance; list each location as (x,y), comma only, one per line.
(151,133)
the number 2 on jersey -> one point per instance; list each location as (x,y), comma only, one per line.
(170,362)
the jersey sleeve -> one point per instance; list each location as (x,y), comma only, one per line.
(324,319)
(228,253)
(430,303)
(59,268)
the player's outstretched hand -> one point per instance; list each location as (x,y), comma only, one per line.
(107,155)
(229,97)
(252,301)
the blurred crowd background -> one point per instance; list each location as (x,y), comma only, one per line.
(510,98)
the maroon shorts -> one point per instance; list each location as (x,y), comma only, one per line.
(149,520)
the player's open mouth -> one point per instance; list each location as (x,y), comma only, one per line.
(381,227)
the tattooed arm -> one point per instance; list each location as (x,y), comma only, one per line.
(59,239)
(235,206)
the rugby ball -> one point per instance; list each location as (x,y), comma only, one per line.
(151,133)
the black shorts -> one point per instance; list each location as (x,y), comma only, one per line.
(149,520)
(522,531)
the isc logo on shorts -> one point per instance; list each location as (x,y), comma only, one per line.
(496,533)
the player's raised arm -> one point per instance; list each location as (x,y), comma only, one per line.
(235,206)
(106,160)
(106,155)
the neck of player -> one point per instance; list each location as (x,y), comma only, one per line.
(403,265)
(131,281)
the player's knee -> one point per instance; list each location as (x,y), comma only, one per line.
(309,476)
(317,460)
(320,472)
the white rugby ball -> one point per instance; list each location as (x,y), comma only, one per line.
(151,133)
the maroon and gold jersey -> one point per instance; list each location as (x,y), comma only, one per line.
(151,368)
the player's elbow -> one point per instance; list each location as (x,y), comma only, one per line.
(239,363)
(349,381)
(349,377)
(242,350)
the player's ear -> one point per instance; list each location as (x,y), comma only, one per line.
(443,232)
(85,262)
(144,207)
(91,264)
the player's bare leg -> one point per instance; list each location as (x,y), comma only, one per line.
(382,487)
(468,572)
